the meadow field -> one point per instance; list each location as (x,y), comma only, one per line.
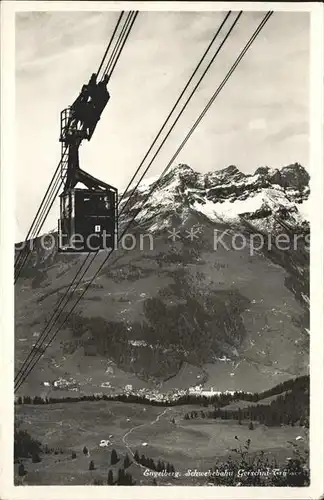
(157,432)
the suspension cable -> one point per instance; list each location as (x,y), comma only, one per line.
(122,45)
(93,257)
(220,87)
(55,184)
(40,207)
(176,104)
(186,103)
(110,42)
(118,43)
(39,219)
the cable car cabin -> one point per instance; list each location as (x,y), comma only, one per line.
(88,220)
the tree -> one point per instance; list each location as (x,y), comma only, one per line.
(24,445)
(127,461)
(124,478)
(97,482)
(85,450)
(36,458)
(128,479)
(251,426)
(121,477)
(91,465)
(110,479)
(74,455)
(136,456)
(151,464)
(21,470)
(114,457)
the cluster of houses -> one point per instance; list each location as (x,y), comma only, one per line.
(174,394)
(200,391)
(149,394)
(62,383)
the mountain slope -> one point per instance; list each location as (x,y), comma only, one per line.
(181,307)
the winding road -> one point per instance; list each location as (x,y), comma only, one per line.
(137,427)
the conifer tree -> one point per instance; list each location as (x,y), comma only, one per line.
(127,461)
(110,479)
(121,477)
(36,458)
(21,470)
(114,457)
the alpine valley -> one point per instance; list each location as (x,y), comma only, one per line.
(186,360)
(199,292)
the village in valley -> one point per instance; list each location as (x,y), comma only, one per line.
(149,394)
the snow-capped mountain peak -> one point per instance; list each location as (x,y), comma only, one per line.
(225,195)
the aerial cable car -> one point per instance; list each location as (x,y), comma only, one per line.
(88,216)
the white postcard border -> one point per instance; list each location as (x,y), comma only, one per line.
(7,490)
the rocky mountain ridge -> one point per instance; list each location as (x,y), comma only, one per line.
(181,312)
(225,195)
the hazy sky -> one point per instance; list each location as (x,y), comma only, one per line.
(259,118)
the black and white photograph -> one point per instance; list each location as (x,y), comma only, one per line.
(162,318)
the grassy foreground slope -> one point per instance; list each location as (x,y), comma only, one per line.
(158,433)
